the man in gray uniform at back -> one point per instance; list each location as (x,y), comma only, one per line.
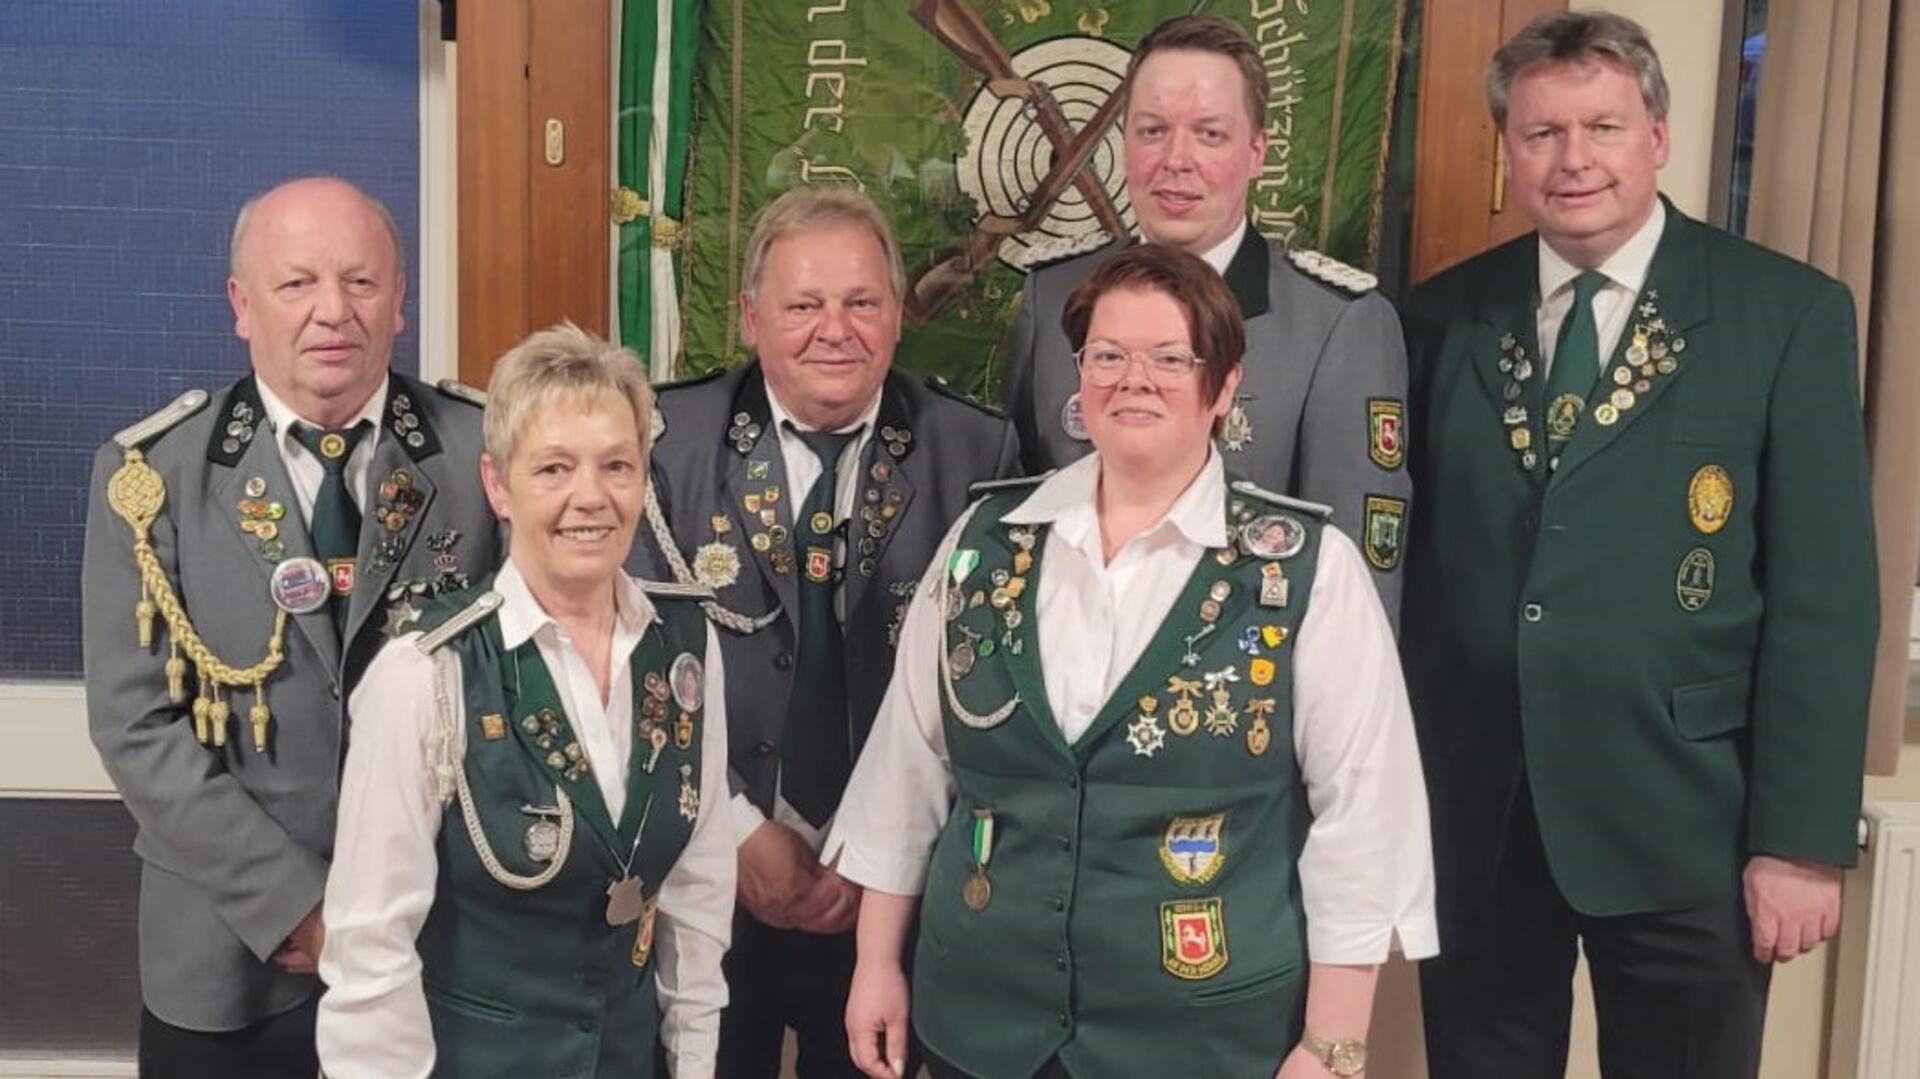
(244,552)
(808,489)
(1321,414)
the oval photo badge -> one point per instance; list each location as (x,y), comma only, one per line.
(688,681)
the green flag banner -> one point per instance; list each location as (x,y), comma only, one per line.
(983,128)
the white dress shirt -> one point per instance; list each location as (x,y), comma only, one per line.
(1220,255)
(1366,871)
(373,1019)
(305,469)
(1625,270)
(803,469)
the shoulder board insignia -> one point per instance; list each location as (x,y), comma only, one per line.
(983,488)
(675,590)
(460,622)
(1333,271)
(1246,487)
(939,386)
(181,407)
(460,391)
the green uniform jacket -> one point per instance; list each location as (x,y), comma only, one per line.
(534,981)
(1144,916)
(1681,680)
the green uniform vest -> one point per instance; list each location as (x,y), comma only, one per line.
(1142,910)
(535,982)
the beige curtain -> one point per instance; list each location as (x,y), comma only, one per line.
(1837,140)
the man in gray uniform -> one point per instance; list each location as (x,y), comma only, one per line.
(808,490)
(1321,414)
(243,554)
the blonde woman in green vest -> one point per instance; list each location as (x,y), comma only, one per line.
(534,871)
(1146,760)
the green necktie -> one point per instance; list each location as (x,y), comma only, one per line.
(1576,363)
(816,750)
(335,522)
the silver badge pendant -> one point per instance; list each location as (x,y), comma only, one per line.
(1072,420)
(543,840)
(624,904)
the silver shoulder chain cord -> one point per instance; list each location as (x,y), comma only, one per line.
(446,758)
(937,586)
(663,537)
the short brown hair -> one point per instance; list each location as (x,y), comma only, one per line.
(1580,37)
(1208,33)
(1214,326)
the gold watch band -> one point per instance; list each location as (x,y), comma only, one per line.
(1343,1057)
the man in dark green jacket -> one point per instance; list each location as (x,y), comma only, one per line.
(1640,595)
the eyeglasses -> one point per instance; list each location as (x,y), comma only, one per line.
(1105,363)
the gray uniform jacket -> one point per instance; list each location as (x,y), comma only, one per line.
(1324,390)
(235,842)
(706,478)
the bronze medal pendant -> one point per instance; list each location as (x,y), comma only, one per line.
(976,891)
(624,905)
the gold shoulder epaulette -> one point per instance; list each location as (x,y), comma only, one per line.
(1318,509)
(676,590)
(1333,271)
(462,619)
(460,391)
(135,435)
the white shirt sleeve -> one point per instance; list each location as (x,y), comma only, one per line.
(373,1019)
(695,919)
(902,786)
(1366,872)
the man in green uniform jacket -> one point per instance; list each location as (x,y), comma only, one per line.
(1640,596)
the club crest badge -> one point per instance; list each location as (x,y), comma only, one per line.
(1385,417)
(1385,519)
(1193,849)
(1193,938)
(1693,583)
(1709,499)
(716,565)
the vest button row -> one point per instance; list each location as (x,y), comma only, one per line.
(1531,612)
(1059,904)
(763,748)
(1062,1017)
(783,661)
(1060,961)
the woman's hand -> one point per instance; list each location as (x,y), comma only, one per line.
(877,1019)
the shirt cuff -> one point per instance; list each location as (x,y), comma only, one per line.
(1370,943)
(888,872)
(746,818)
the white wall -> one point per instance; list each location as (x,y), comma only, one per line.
(1686,33)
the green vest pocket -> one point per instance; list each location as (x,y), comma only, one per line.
(471,1005)
(1714,707)
(1259,985)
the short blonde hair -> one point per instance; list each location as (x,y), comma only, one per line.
(562,362)
(808,209)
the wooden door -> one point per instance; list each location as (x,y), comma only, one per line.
(534,117)
(1459,207)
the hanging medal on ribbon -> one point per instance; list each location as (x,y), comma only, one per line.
(977,891)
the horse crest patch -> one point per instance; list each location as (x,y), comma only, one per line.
(1385,417)
(1194,848)
(1193,937)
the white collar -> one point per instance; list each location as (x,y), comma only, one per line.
(781,417)
(281,417)
(521,616)
(1220,255)
(1626,267)
(1066,500)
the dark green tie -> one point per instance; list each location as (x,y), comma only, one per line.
(1576,363)
(816,752)
(335,522)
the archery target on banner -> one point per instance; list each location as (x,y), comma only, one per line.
(1008,155)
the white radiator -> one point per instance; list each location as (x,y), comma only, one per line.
(1876,1000)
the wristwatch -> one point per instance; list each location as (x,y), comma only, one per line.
(1343,1057)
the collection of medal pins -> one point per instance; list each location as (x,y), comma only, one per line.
(404,424)
(1651,354)
(398,501)
(717,565)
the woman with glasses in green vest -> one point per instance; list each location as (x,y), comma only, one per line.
(534,871)
(1146,760)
